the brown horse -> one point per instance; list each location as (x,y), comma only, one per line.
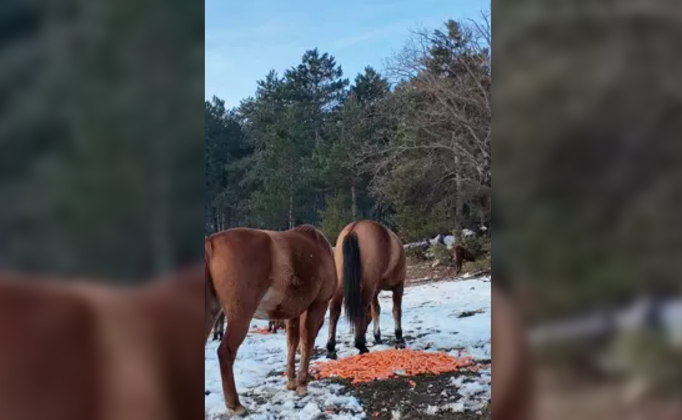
(268,275)
(459,255)
(369,258)
(73,351)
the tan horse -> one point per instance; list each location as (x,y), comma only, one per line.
(268,275)
(369,258)
(275,325)
(219,328)
(73,351)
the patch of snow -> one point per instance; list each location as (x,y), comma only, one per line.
(456,407)
(310,412)
(672,318)
(468,232)
(433,308)
(473,388)
(449,241)
(475,392)
(432,410)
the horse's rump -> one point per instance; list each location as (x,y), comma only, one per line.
(269,267)
(369,257)
(381,250)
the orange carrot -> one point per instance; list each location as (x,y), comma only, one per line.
(384,365)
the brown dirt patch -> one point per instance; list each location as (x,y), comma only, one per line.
(382,398)
(423,272)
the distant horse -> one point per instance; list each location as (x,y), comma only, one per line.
(219,327)
(263,274)
(459,255)
(369,258)
(76,351)
(273,326)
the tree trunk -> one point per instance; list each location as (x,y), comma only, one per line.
(291,200)
(458,197)
(353,201)
(228,218)
(160,223)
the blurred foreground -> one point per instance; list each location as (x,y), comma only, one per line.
(80,351)
(101,179)
(587,159)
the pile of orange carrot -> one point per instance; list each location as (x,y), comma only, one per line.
(390,363)
(260,331)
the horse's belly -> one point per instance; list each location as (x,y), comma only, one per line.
(268,305)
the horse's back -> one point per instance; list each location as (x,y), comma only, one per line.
(238,241)
(307,252)
(245,254)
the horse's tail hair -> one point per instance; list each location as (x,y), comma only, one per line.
(356,310)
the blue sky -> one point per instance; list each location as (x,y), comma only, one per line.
(247,38)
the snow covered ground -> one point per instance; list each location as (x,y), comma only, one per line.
(450,316)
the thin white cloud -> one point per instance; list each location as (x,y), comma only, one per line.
(398,29)
(263,32)
(373,35)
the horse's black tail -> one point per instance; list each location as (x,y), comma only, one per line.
(356,310)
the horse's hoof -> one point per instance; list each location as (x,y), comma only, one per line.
(207,392)
(400,345)
(377,340)
(239,411)
(302,390)
(363,351)
(332,356)
(291,385)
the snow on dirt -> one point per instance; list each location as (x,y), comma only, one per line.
(448,240)
(451,316)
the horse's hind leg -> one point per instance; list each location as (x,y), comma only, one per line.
(376,311)
(398,314)
(360,333)
(312,322)
(292,329)
(237,328)
(334,315)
